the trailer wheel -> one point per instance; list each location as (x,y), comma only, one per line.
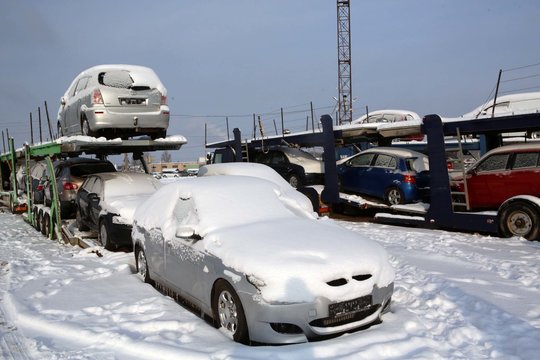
(394,196)
(37,219)
(44,223)
(519,218)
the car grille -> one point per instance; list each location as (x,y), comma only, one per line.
(346,318)
(343,281)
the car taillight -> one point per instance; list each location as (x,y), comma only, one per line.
(96,97)
(163,99)
(40,187)
(70,186)
(409,179)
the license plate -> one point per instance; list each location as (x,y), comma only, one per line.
(350,306)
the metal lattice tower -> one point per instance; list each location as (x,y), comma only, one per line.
(344,114)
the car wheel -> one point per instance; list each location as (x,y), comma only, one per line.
(394,196)
(142,265)
(229,313)
(85,128)
(294,181)
(80,225)
(519,219)
(103,235)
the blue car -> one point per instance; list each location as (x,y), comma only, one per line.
(397,176)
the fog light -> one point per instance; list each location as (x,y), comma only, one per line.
(285,328)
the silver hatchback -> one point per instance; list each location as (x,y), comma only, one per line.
(115,101)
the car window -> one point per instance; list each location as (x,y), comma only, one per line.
(525,160)
(88,184)
(81,85)
(385,161)
(362,160)
(277,158)
(116,78)
(81,170)
(185,212)
(494,163)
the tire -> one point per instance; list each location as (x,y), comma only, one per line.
(229,313)
(394,196)
(80,225)
(294,181)
(44,223)
(519,219)
(85,128)
(142,265)
(104,235)
(46,228)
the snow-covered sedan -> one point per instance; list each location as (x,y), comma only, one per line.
(106,202)
(256,260)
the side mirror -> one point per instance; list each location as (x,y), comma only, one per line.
(93,197)
(63,101)
(186,232)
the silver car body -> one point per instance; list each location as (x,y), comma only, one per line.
(114,101)
(243,226)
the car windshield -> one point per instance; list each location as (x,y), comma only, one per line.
(128,185)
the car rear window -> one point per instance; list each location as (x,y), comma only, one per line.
(81,170)
(116,78)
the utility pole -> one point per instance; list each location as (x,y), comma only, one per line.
(344,62)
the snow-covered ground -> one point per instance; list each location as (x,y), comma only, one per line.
(457,296)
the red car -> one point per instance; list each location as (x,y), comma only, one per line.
(500,174)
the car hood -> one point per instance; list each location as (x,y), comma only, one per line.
(296,259)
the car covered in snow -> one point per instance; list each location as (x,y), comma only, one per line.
(511,104)
(397,176)
(115,101)
(106,202)
(256,260)
(387,116)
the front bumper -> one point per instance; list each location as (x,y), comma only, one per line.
(296,323)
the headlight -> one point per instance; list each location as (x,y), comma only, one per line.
(258,283)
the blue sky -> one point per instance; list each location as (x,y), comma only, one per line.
(221,58)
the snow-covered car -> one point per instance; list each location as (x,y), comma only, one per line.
(387,116)
(106,202)
(257,262)
(511,104)
(115,101)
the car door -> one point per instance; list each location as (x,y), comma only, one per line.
(354,173)
(382,175)
(184,256)
(83,202)
(95,199)
(485,182)
(524,176)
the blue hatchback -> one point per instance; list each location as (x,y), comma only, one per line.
(397,176)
